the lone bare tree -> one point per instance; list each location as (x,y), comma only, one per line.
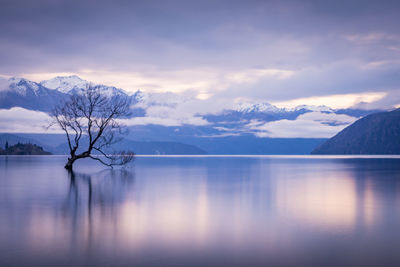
(91,123)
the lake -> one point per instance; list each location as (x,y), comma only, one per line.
(201,211)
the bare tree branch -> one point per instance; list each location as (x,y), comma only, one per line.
(93,115)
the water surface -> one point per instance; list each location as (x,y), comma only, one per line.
(178,211)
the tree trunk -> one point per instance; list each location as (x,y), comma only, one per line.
(70,162)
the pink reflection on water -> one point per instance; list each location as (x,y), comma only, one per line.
(324,202)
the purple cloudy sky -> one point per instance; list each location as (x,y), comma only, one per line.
(282,52)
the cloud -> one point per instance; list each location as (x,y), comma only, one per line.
(308,125)
(205,81)
(178,109)
(272,51)
(167,115)
(170,109)
(335,101)
(20,120)
(390,100)
(329,79)
(166,121)
(3,84)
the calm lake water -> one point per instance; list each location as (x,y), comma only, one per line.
(179,211)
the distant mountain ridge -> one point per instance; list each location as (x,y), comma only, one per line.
(65,84)
(42,96)
(377,133)
(227,130)
(30,95)
(75,85)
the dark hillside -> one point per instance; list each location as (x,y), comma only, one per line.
(377,133)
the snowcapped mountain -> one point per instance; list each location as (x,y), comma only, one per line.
(169,117)
(75,85)
(268,108)
(19,92)
(258,107)
(42,96)
(65,84)
(314,108)
(22,87)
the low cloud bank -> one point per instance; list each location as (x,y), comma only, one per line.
(309,125)
(20,120)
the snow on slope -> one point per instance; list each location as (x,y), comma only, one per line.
(314,108)
(75,85)
(258,107)
(21,86)
(170,109)
(65,84)
(268,108)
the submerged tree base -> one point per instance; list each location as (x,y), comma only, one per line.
(68,166)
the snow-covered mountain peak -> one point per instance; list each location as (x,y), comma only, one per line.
(313,108)
(21,85)
(258,107)
(65,84)
(76,85)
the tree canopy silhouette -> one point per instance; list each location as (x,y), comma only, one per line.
(93,117)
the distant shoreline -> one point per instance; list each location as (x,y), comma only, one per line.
(244,156)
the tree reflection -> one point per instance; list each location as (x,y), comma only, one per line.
(103,189)
(92,200)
